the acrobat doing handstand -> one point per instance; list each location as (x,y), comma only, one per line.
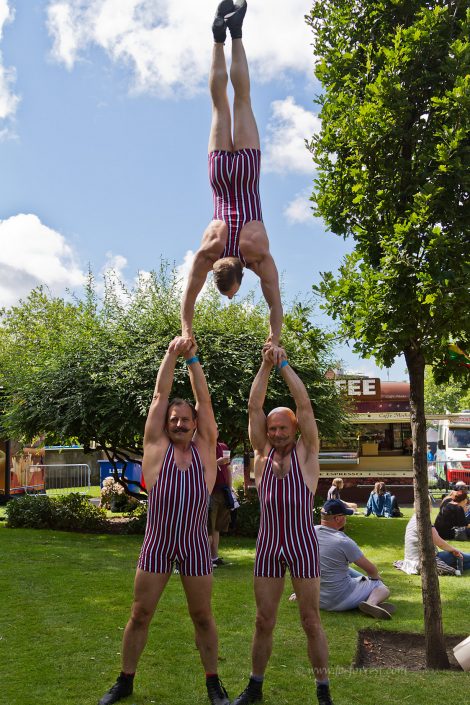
(236,237)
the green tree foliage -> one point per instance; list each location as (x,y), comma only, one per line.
(393,160)
(449,397)
(86,369)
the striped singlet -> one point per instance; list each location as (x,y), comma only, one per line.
(286,536)
(177,520)
(234,179)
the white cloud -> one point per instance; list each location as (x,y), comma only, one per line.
(168,43)
(8,100)
(288,128)
(299,210)
(31,254)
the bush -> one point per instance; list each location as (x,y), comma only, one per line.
(248,513)
(138,521)
(33,511)
(114,497)
(73,512)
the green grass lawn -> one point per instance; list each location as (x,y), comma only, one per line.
(66,599)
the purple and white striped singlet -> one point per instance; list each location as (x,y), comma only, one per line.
(234,179)
(177,520)
(286,536)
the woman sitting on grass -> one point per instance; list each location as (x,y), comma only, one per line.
(450,555)
(382,503)
(452,515)
(334,493)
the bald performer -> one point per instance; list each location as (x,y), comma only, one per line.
(286,476)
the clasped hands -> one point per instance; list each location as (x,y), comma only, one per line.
(183,346)
(187,346)
(273,354)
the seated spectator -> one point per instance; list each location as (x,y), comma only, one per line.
(340,587)
(334,492)
(382,503)
(452,515)
(412,562)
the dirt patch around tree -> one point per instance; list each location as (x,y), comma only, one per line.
(398,650)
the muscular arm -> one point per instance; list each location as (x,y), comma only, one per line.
(369,567)
(305,416)
(154,433)
(256,415)
(269,279)
(438,541)
(154,426)
(205,437)
(201,266)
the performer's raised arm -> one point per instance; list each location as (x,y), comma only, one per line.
(305,415)
(256,415)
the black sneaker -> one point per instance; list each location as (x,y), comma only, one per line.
(121,689)
(219,28)
(323,694)
(216,691)
(234,19)
(217,562)
(253,693)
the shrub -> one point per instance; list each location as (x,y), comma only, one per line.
(33,511)
(248,513)
(114,497)
(138,521)
(73,512)
(76,513)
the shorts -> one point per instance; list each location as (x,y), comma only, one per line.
(360,592)
(219,513)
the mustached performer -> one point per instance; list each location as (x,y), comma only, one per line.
(236,237)
(179,467)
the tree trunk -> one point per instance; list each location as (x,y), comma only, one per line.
(436,655)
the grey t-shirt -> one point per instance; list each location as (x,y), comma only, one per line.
(337,551)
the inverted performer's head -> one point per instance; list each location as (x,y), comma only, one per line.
(228,275)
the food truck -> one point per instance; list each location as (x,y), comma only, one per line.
(453,448)
(380,446)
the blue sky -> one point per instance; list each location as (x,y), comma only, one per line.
(104,118)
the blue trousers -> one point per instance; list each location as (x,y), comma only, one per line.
(451,560)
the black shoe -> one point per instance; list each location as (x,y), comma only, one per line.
(121,689)
(234,20)
(323,694)
(219,28)
(216,691)
(217,562)
(253,693)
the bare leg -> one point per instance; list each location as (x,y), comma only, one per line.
(245,130)
(308,597)
(378,595)
(198,593)
(215,538)
(148,588)
(268,593)
(221,127)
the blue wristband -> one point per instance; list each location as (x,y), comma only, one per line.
(191,360)
(283,364)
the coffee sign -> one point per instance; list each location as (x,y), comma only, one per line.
(361,388)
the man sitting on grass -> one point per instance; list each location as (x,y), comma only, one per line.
(341,587)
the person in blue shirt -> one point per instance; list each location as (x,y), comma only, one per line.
(382,503)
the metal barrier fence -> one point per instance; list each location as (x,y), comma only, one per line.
(62,479)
